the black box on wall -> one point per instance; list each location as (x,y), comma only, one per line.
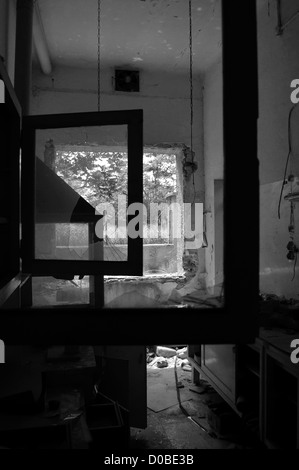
(127,80)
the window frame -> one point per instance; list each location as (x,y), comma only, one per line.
(237,321)
(37,267)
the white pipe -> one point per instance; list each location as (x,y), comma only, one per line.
(23,53)
(40,42)
(11,39)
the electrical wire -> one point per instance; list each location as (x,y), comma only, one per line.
(118,255)
(292,219)
(205,21)
(99,55)
(184,411)
(288,157)
(191,96)
(292,233)
(294,268)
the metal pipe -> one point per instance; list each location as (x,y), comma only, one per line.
(23,56)
(40,42)
(11,39)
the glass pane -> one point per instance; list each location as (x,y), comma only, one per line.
(81,193)
(183,171)
(51,291)
(161,249)
(278,140)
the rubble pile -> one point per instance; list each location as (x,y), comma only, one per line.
(159,357)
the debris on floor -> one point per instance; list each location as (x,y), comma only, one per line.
(161,362)
(200,389)
(182,353)
(161,389)
(165,352)
(165,356)
(222,419)
(185,365)
(169,428)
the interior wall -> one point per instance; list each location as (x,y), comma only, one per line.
(276,271)
(219,230)
(278,64)
(164,98)
(213,161)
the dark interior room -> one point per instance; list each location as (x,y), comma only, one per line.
(149,193)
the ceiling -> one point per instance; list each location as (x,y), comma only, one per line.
(142,34)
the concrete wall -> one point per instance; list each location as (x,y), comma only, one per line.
(276,271)
(213,158)
(157,258)
(278,65)
(139,293)
(164,98)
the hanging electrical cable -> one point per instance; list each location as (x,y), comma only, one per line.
(99,55)
(191,96)
(183,409)
(291,246)
(284,182)
(205,243)
(294,267)
(193,164)
(116,253)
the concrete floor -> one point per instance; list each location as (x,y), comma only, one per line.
(170,428)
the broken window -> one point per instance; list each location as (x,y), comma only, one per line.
(99,175)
